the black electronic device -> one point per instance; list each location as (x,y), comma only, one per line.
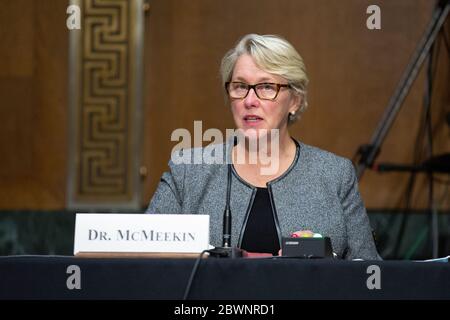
(308,248)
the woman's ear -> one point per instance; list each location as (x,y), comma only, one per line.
(296,103)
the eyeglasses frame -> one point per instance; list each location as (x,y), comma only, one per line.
(253,86)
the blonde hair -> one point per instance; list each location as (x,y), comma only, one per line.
(272,54)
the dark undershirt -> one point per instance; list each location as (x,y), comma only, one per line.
(260,233)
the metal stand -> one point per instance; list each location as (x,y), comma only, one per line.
(366,154)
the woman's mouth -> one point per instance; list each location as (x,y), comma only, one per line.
(252,120)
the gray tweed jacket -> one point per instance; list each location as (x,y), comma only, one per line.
(318,192)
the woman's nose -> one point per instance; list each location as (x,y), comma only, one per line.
(251,100)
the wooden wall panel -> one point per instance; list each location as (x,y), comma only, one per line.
(33,109)
(353,73)
(16,121)
(17,34)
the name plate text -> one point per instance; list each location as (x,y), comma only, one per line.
(140,233)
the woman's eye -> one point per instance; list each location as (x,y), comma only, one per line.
(268,87)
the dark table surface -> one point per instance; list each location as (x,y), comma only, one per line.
(47,277)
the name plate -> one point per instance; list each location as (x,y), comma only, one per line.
(141,233)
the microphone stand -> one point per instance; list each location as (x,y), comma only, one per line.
(439,164)
(367,153)
(226,251)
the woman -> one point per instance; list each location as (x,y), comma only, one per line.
(309,190)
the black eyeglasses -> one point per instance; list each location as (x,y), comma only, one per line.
(264,91)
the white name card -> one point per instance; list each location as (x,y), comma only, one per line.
(140,233)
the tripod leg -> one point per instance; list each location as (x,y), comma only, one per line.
(439,16)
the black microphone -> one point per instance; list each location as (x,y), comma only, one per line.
(226,238)
(226,251)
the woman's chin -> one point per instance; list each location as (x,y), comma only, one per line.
(253,133)
(248,132)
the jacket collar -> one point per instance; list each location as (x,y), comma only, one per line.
(229,147)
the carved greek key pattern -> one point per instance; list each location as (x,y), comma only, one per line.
(106,104)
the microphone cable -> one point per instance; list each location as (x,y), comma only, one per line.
(193,272)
